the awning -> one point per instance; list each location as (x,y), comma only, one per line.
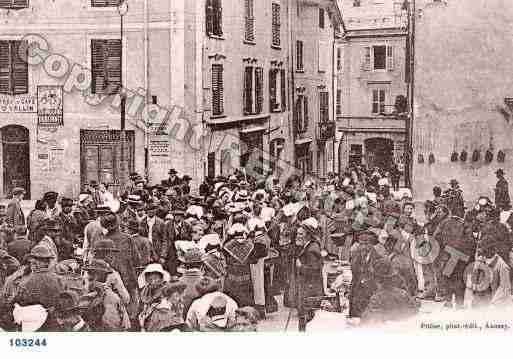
(303,141)
(253,129)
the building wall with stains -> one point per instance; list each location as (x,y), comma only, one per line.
(462,62)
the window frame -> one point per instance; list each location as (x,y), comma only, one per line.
(221,91)
(301,109)
(122,63)
(11,73)
(255,91)
(249,21)
(300,55)
(338,105)
(381,104)
(275,26)
(322,18)
(216,15)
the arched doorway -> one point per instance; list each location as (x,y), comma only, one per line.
(379,152)
(15,158)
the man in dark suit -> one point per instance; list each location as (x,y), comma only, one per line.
(15,216)
(154,229)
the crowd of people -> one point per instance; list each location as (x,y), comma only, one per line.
(160,258)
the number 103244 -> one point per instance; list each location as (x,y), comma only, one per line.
(27,343)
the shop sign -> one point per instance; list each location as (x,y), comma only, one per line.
(18,104)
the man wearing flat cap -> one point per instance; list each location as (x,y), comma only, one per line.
(14,215)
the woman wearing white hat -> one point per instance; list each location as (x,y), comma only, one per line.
(151,281)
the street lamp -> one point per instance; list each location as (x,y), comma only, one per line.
(122,11)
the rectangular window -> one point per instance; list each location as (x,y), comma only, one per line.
(324,106)
(13,69)
(276,25)
(217,90)
(253,90)
(105,3)
(380,57)
(214,18)
(339,102)
(106,66)
(301,112)
(249,21)
(321,18)
(14,4)
(339,59)
(378,101)
(299,55)
(277,90)
(356,155)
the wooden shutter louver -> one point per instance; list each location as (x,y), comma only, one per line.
(209,8)
(218,17)
(5,67)
(98,81)
(19,68)
(259,89)
(249,20)
(217,90)
(272,89)
(390,58)
(105,3)
(14,4)
(247,91)
(276,24)
(283,90)
(297,118)
(113,66)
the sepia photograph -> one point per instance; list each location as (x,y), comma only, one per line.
(269,166)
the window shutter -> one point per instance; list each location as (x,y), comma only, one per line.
(390,58)
(247,91)
(259,89)
(381,101)
(113,52)
(19,69)
(98,81)
(209,17)
(339,102)
(19,4)
(305,113)
(218,23)
(6,4)
(283,90)
(249,31)
(321,18)
(375,101)
(276,24)
(217,90)
(5,67)
(339,59)
(366,60)
(272,89)
(299,54)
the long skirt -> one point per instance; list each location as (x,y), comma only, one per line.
(238,284)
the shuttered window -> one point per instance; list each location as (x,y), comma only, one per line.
(277,90)
(249,21)
(390,58)
(299,55)
(105,3)
(14,4)
(276,25)
(214,17)
(378,101)
(253,90)
(321,18)
(217,90)
(339,59)
(13,68)
(301,112)
(339,102)
(324,106)
(106,66)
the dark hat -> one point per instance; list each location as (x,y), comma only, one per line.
(172,171)
(67,303)
(18,190)
(206,285)
(178,211)
(187,178)
(93,183)
(109,221)
(499,172)
(453,181)
(49,196)
(138,180)
(105,245)
(98,265)
(66,202)
(41,251)
(171,287)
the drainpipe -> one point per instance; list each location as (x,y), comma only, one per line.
(292,84)
(146,89)
(333,99)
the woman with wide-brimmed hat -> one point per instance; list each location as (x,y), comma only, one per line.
(309,264)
